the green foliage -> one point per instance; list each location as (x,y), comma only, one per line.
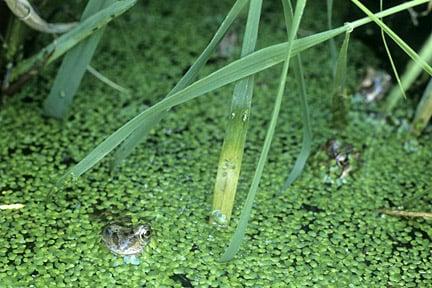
(316,235)
(339,99)
(240,232)
(230,159)
(307,132)
(412,71)
(237,70)
(139,135)
(68,40)
(74,66)
(404,46)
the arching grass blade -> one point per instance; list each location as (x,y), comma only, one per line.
(234,71)
(139,135)
(404,46)
(411,73)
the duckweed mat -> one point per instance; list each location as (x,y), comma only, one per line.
(318,233)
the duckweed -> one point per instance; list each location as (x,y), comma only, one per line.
(315,234)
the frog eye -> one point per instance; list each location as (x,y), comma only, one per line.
(144,232)
(113,229)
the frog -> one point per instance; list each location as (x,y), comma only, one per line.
(344,156)
(375,84)
(126,241)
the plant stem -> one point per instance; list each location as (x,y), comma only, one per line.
(27,14)
(233,147)
(68,40)
(424,111)
(13,44)
(14,37)
(256,62)
(339,101)
(332,44)
(411,73)
(240,231)
(406,213)
(140,134)
(299,76)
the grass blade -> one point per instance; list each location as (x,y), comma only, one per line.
(68,40)
(423,112)
(239,233)
(230,159)
(390,11)
(106,80)
(138,136)
(395,72)
(234,71)
(202,59)
(237,70)
(332,44)
(405,47)
(307,131)
(73,67)
(339,100)
(411,73)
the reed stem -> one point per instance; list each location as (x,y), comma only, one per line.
(14,37)
(406,213)
(235,136)
(339,100)
(411,73)
(424,111)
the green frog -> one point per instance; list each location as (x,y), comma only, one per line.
(126,241)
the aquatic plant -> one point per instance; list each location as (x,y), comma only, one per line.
(26,13)
(75,64)
(413,70)
(134,131)
(424,111)
(340,101)
(27,68)
(315,235)
(231,155)
(237,70)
